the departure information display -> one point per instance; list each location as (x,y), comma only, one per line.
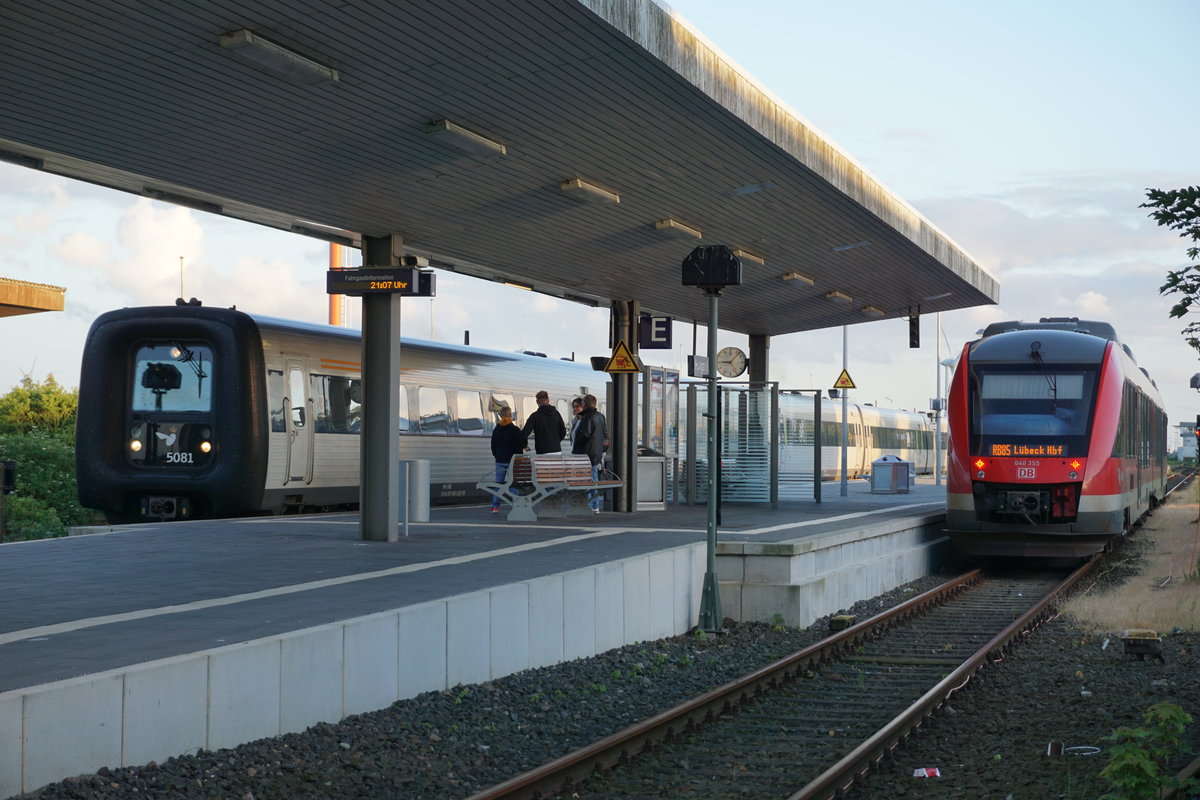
(1025,450)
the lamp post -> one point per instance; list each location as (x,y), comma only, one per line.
(711,268)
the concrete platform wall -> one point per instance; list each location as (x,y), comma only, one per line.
(805,579)
(238,693)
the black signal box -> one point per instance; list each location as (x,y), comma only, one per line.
(712,266)
(914,331)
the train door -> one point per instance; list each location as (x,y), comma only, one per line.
(298,414)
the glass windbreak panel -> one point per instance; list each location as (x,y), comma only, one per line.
(433,409)
(174,376)
(1039,412)
(469,407)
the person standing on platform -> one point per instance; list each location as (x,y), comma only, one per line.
(507,441)
(576,410)
(591,439)
(546,425)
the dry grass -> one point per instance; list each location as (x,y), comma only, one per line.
(1165,591)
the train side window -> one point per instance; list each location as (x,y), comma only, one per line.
(296,388)
(433,410)
(528,406)
(275,398)
(469,408)
(406,424)
(336,404)
(319,392)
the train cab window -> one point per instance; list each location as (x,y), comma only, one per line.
(433,410)
(275,393)
(1047,411)
(469,408)
(528,406)
(174,376)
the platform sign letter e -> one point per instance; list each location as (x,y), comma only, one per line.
(654,333)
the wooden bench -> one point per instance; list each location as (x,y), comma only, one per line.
(551,484)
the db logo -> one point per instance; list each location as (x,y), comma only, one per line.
(1029,473)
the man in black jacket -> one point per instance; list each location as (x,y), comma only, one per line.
(546,425)
(591,439)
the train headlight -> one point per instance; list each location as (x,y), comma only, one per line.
(205,447)
(135,445)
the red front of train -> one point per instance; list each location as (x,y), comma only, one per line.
(1057,441)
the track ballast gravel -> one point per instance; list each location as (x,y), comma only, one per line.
(990,742)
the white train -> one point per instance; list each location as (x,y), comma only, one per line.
(188,412)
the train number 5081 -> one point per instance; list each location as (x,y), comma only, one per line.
(179,458)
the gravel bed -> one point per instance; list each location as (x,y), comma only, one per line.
(990,742)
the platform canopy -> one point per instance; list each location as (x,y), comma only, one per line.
(22,297)
(579,147)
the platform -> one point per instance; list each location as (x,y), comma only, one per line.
(142,642)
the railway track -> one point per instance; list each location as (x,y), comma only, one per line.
(808,725)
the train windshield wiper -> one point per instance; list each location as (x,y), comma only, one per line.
(188,357)
(1035,353)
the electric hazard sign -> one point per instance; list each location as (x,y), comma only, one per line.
(844,381)
(622,360)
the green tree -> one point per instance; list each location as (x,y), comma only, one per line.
(45,406)
(1179,210)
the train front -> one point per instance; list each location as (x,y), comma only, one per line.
(168,425)
(1024,444)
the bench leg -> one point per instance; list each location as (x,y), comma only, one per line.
(522,512)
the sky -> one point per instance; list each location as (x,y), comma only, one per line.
(1026,131)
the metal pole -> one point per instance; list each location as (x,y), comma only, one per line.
(710,598)
(937,412)
(845,421)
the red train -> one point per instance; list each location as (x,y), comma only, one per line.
(1058,440)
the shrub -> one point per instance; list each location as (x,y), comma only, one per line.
(46,472)
(30,518)
(1139,759)
(32,405)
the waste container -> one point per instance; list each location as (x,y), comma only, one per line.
(652,483)
(414,490)
(890,475)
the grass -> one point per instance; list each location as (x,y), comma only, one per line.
(1165,592)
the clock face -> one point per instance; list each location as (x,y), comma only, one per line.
(731,362)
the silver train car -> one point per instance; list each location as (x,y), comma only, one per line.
(871,433)
(188,412)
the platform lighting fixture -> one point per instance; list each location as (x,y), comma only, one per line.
(872,311)
(462,139)
(182,200)
(518,285)
(677,229)
(587,301)
(752,188)
(745,256)
(21,160)
(277,58)
(936,296)
(590,193)
(343,239)
(839,297)
(844,247)
(796,276)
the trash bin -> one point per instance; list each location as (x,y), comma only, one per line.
(890,475)
(414,490)
(652,483)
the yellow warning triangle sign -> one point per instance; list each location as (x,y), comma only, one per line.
(622,360)
(844,381)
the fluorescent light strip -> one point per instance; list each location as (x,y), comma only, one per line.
(746,256)
(277,58)
(585,192)
(677,229)
(462,139)
(183,200)
(851,246)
